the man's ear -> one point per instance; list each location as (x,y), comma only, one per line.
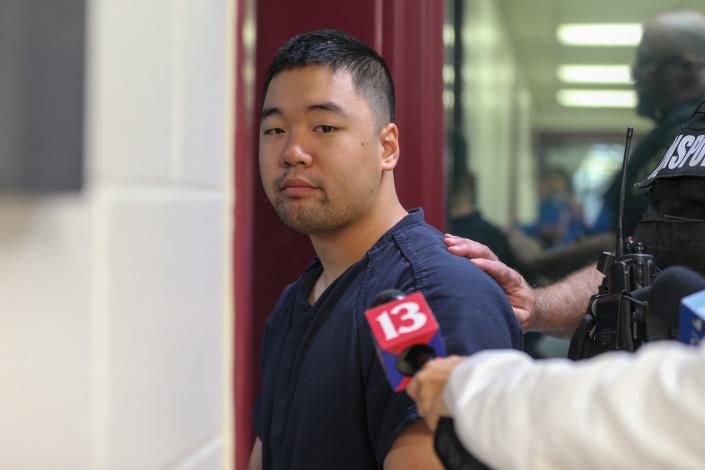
(389,143)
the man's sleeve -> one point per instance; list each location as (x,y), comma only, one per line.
(388,413)
(472,317)
(472,311)
(616,411)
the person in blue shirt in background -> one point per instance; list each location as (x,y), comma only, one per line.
(560,220)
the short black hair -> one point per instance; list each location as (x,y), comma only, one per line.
(338,50)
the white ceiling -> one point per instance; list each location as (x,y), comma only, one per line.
(531,25)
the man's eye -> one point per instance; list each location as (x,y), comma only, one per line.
(273,131)
(324,128)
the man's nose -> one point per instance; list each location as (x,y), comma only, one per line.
(294,153)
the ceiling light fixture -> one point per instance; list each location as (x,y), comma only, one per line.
(615,74)
(597,98)
(599,34)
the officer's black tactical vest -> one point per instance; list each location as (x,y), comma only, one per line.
(673,227)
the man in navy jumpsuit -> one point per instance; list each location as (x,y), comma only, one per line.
(328,148)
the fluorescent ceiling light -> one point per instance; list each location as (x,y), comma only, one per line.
(618,74)
(597,98)
(599,34)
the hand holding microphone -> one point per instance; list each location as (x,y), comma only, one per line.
(426,388)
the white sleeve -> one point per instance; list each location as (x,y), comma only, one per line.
(615,411)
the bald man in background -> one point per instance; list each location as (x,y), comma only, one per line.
(669,79)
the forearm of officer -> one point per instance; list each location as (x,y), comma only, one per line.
(560,307)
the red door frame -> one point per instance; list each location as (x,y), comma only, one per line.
(268,255)
(243,237)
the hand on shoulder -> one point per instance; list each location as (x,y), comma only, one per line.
(521,296)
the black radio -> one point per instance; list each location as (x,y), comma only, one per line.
(617,317)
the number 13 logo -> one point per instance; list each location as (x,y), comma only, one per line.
(410,317)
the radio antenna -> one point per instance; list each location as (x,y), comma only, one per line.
(622,191)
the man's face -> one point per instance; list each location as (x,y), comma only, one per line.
(319,153)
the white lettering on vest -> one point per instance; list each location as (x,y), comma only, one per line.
(669,152)
(694,149)
(699,157)
(683,147)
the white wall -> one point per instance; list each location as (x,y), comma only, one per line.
(115,312)
(497,107)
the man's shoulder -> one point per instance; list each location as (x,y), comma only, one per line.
(471,308)
(423,246)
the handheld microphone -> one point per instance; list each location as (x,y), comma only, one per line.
(406,334)
(677,297)
(691,329)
